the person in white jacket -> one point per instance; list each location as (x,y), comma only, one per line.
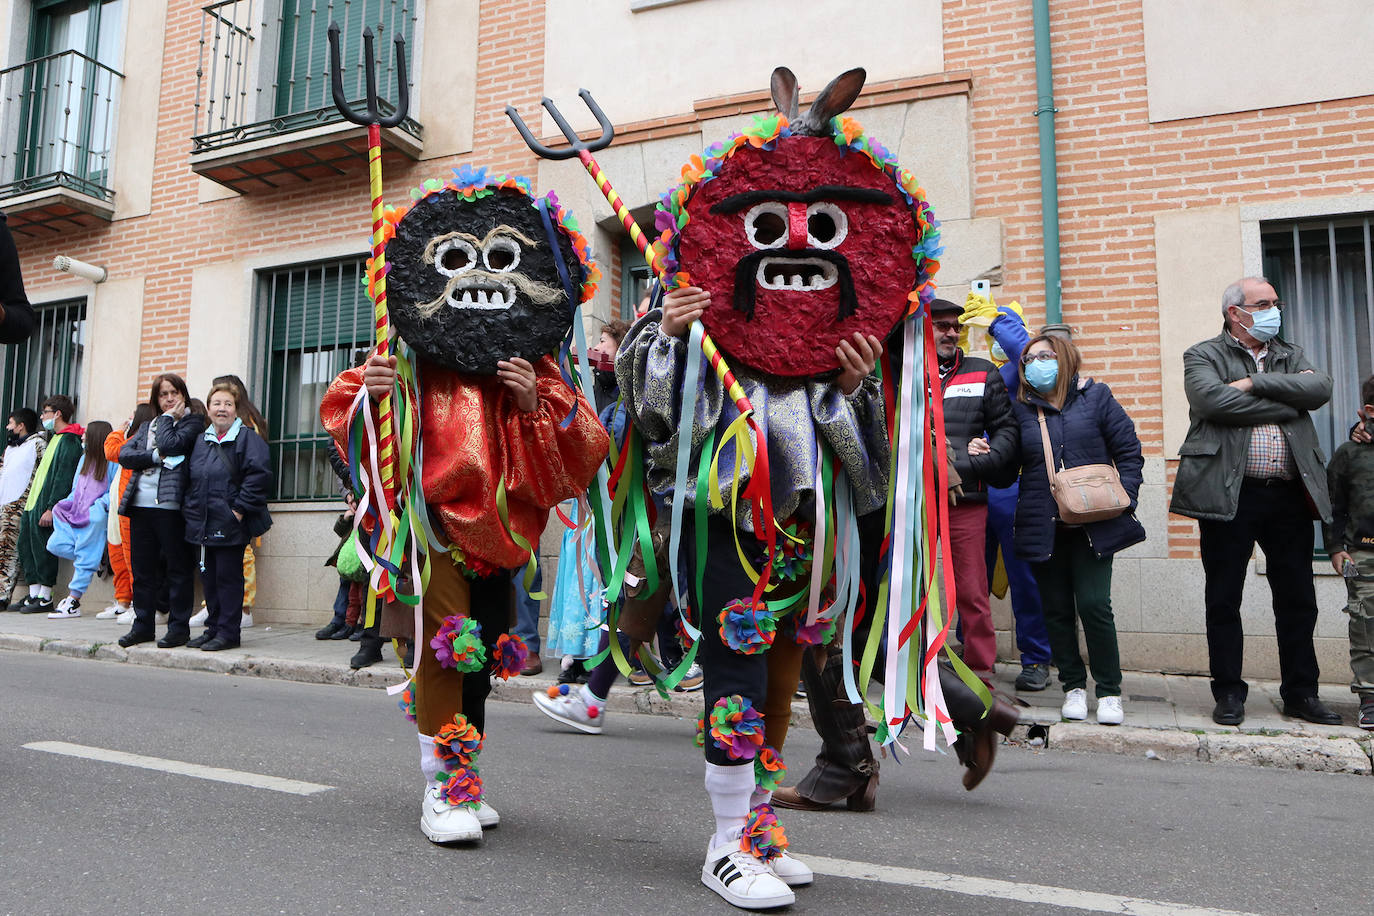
(25,447)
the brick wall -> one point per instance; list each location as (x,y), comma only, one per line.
(1116,170)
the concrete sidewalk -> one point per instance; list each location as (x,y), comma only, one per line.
(1167,716)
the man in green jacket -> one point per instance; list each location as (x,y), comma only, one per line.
(1251,471)
(52,483)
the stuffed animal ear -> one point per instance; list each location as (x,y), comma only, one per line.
(834,99)
(785,92)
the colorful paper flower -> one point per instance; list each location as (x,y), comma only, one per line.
(737,727)
(510,656)
(458,644)
(769,769)
(818,634)
(763,836)
(683,637)
(407,702)
(457,743)
(747,627)
(699,739)
(793,556)
(462,786)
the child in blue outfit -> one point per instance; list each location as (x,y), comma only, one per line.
(78,522)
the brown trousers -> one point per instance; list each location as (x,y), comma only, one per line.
(442,693)
(784,671)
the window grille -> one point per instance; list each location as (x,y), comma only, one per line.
(50,361)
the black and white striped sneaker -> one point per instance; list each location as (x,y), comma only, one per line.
(743,880)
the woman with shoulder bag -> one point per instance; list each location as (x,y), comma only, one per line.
(225,508)
(1075,512)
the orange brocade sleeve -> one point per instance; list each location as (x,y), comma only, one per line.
(474,436)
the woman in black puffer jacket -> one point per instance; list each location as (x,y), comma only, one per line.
(225,508)
(1073,563)
(156,453)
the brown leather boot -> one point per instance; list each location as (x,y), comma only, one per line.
(977,746)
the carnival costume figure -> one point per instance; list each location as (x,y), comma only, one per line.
(485,280)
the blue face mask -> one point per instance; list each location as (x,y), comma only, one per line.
(49,424)
(1042,374)
(997,352)
(1267,324)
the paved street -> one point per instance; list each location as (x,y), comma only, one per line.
(612,824)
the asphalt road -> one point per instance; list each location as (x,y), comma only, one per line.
(608,824)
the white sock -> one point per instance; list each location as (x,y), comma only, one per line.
(591,698)
(33,591)
(760,797)
(45,592)
(429,764)
(729,788)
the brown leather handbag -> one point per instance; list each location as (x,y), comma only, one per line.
(1087,493)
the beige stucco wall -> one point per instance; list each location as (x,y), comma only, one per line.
(658,61)
(1253,54)
(114,316)
(445,75)
(145,33)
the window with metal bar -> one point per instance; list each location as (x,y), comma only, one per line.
(51,360)
(315,320)
(1323,270)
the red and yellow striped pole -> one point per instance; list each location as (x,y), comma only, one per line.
(386,458)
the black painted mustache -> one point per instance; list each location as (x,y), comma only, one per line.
(746,277)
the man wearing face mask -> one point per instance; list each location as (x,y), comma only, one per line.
(1251,471)
(24,447)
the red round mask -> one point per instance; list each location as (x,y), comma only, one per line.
(799,247)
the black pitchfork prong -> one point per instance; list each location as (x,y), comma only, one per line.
(374,114)
(575,144)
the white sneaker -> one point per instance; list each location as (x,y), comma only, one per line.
(161,617)
(743,880)
(126,616)
(793,871)
(199,618)
(1075,704)
(1109,711)
(567,705)
(111,613)
(487,816)
(66,608)
(247,622)
(445,823)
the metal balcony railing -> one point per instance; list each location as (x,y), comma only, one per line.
(264,64)
(57,125)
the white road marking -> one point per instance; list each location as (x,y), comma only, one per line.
(1007,890)
(180,767)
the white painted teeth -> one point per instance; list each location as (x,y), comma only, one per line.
(478,298)
(781,273)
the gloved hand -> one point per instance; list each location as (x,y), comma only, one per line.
(1012,311)
(976,306)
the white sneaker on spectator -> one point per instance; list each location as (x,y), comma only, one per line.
(198,619)
(565,703)
(67,607)
(1075,704)
(445,823)
(743,880)
(1109,711)
(126,616)
(247,621)
(112,612)
(793,871)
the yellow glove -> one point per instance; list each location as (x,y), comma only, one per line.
(978,307)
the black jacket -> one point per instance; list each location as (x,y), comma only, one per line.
(18,322)
(225,477)
(173,438)
(976,403)
(1092,428)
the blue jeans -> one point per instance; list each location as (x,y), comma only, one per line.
(527,610)
(1032,639)
(341,603)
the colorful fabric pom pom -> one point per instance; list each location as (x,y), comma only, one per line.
(510,655)
(699,739)
(763,836)
(462,786)
(793,557)
(407,702)
(683,637)
(818,634)
(769,769)
(746,627)
(457,743)
(458,644)
(737,727)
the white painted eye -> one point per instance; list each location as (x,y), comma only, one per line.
(826,225)
(501,255)
(765,225)
(454,257)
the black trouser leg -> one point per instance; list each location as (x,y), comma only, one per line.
(223,585)
(1226,549)
(1286,537)
(490,607)
(146,568)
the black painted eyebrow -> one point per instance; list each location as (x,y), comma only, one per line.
(737,202)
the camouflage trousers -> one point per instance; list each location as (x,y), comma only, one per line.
(1360,607)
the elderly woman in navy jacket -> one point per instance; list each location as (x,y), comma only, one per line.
(1073,563)
(156,453)
(225,508)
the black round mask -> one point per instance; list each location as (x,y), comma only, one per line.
(473,282)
